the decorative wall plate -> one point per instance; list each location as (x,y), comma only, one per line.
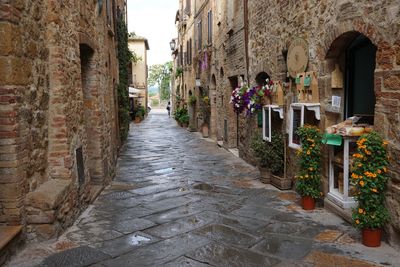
(297,57)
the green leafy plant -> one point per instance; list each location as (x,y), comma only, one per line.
(260,150)
(141,111)
(308,181)
(277,153)
(192,100)
(269,154)
(184,119)
(178,72)
(125,56)
(180,113)
(370,177)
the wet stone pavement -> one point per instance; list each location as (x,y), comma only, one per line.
(180,200)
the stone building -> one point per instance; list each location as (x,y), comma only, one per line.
(211,53)
(351,50)
(140,46)
(58,107)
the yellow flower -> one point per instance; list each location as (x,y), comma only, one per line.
(384,169)
(359,165)
(360,210)
(357,222)
(374,190)
(368,152)
(308,152)
(311,169)
(361,183)
(379,171)
(385,143)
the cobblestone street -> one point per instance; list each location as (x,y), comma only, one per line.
(180,200)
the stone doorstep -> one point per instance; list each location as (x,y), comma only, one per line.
(7,234)
(49,195)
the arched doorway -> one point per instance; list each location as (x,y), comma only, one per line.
(261,78)
(354,56)
(91,122)
(213,107)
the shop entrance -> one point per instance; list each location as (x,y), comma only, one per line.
(359,79)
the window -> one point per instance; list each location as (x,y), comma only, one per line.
(199,35)
(209,23)
(300,114)
(187,53)
(188,7)
(190,52)
(271,115)
(181,55)
(108,9)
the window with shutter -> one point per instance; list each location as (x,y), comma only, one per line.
(188,7)
(190,51)
(209,20)
(199,35)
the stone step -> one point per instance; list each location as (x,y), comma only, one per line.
(9,236)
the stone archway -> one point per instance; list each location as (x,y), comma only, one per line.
(351,58)
(91,118)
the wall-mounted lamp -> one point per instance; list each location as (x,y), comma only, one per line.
(172,44)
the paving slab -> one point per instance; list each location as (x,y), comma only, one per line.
(222,255)
(159,253)
(183,225)
(227,235)
(285,246)
(124,244)
(185,262)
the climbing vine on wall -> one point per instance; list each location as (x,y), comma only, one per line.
(124,57)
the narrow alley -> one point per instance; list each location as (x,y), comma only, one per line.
(180,200)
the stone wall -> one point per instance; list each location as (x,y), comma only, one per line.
(325,25)
(57,95)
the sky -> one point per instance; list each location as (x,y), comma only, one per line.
(154,20)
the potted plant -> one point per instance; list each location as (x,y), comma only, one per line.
(369,176)
(260,150)
(277,161)
(205,110)
(192,100)
(184,120)
(308,181)
(179,113)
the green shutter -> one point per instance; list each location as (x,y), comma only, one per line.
(260,119)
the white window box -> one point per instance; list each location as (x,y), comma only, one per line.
(267,121)
(299,115)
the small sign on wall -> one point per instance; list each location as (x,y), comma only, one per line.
(336,101)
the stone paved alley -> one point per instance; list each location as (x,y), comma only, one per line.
(180,200)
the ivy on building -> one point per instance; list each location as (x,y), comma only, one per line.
(124,58)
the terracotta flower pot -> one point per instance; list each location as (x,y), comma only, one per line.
(308,203)
(371,237)
(265,175)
